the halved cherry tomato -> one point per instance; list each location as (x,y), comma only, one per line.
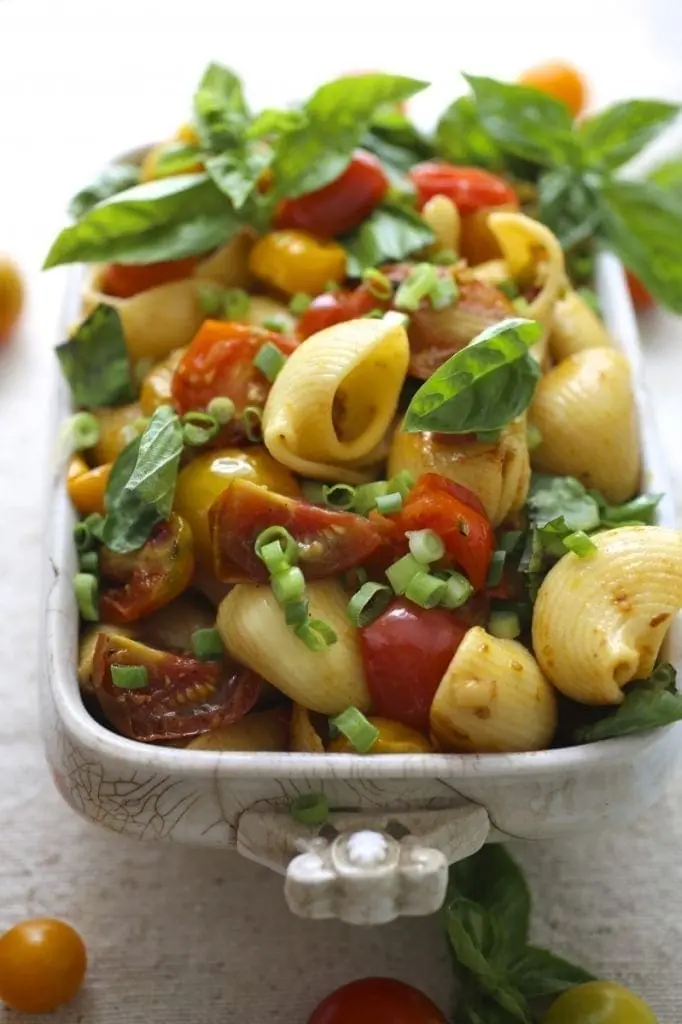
(562,81)
(469,188)
(123,280)
(335,308)
(377,1001)
(42,965)
(641,296)
(138,583)
(342,204)
(329,542)
(183,697)
(296,261)
(219,362)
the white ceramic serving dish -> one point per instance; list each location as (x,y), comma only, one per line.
(397,820)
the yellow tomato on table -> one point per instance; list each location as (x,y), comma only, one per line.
(42,965)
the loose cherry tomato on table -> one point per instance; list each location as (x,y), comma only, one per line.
(641,297)
(600,1002)
(296,261)
(342,204)
(560,80)
(42,965)
(11,296)
(123,280)
(469,188)
(377,1001)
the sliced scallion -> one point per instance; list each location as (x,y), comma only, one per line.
(505,625)
(252,422)
(509,540)
(533,437)
(458,590)
(426,546)
(269,360)
(580,544)
(310,809)
(236,303)
(389,504)
(339,496)
(277,533)
(299,303)
(288,586)
(445,258)
(86,591)
(368,603)
(426,590)
(366,496)
(221,408)
(129,677)
(88,562)
(402,482)
(444,292)
(496,568)
(275,324)
(401,572)
(199,428)
(82,538)
(316,634)
(211,299)
(295,612)
(207,645)
(418,284)
(81,431)
(377,283)
(359,732)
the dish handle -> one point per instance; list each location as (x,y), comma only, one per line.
(364,867)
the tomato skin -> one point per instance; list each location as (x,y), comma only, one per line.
(42,965)
(562,81)
(342,204)
(124,280)
(377,1001)
(336,307)
(599,1002)
(469,188)
(297,261)
(641,297)
(331,541)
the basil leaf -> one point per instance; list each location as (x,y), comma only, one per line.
(649,704)
(539,973)
(462,139)
(568,204)
(220,110)
(236,174)
(95,361)
(493,879)
(142,483)
(617,134)
(551,497)
(668,176)
(643,224)
(641,509)
(112,180)
(396,141)
(525,122)
(177,158)
(160,220)
(482,387)
(337,116)
(389,234)
(272,121)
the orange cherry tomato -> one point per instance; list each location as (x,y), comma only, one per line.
(562,81)
(342,204)
(123,280)
(641,296)
(11,296)
(42,965)
(469,188)
(86,489)
(377,1001)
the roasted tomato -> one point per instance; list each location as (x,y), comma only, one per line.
(329,542)
(469,188)
(377,1001)
(181,697)
(342,204)
(123,280)
(138,583)
(336,307)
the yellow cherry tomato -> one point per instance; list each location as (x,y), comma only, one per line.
(294,261)
(11,296)
(86,489)
(207,476)
(187,134)
(394,738)
(42,965)
(117,428)
(600,1002)
(562,81)
(156,386)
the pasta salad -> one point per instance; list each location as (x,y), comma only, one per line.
(355,460)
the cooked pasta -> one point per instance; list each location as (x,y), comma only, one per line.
(575,326)
(303,737)
(261,730)
(584,409)
(442,216)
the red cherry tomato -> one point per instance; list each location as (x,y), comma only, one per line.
(641,297)
(123,280)
(335,307)
(470,188)
(342,204)
(377,1001)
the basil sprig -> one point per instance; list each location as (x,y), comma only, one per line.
(482,387)
(95,361)
(390,234)
(109,182)
(648,704)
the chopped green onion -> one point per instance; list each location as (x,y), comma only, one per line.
(445,258)
(504,625)
(95,524)
(199,428)
(296,612)
(402,482)
(580,544)
(374,314)
(252,422)
(221,408)
(81,431)
(425,590)
(276,324)
(418,284)
(402,572)
(211,299)
(366,496)
(82,538)
(368,603)
(313,491)
(641,509)
(316,634)
(273,556)
(590,298)
(533,437)
(310,809)
(331,286)
(338,495)
(489,436)
(299,303)
(509,288)
(521,305)
(388,504)
(86,591)
(206,644)
(269,360)
(426,546)
(288,585)
(377,283)
(88,562)
(359,732)
(129,677)
(444,292)
(236,303)
(458,590)
(283,537)
(496,568)
(509,540)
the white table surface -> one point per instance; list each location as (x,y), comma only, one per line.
(198,937)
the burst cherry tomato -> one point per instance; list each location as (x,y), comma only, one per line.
(640,295)
(469,188)
(329,541)
(377,1001)
(562,81)
(42,965)
(124,280)
(342,204)
(600,1002)
(336,307)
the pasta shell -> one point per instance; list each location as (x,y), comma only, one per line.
(493,698)
(303,736)
(258,731)
(335,398)
(86,651)
(229,265)
(575,326)
(252,626)
(585,411)
(599,621)
(442,216)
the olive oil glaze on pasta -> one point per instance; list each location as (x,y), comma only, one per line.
(356,463)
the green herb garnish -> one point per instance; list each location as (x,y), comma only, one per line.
(95,361)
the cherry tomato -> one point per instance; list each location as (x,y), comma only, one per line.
(329,541)
(11,296)
(562,81)
(336,307)
(296,261)
(138,583)
(182,698)
(641,297)
(342,204)
(469,188)
(600,1002)
(377,1001)
(125,280)
(42,965)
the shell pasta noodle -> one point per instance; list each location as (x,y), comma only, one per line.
(354,462)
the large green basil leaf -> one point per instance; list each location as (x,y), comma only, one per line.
(236,173)
(390,234)
(482,387)
(539,973)
(273,121)
(494,880)
(617,134)
(568,203)
(109,182)
(462,139)
(177,158)
(95,361)
(396,141)
(337,116)
(668,176)
(160,220)
(648,704)
(220,109)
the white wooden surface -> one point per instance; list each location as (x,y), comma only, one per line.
(182,937)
